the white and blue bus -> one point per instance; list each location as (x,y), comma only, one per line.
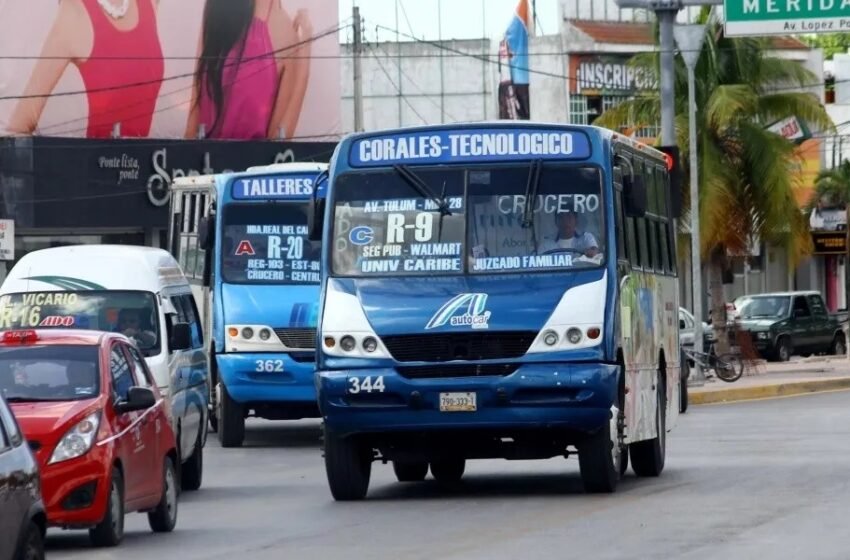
(241,238)
(496,290)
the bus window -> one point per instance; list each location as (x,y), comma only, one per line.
(655,243)
(671,243)
(643,243)
(663,181)
(665,247)
(651,180)
(632,242)
(618,218)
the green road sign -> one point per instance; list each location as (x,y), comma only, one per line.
(784,17)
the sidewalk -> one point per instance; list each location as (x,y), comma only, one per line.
(797,377)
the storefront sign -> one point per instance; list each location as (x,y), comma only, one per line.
(594,75)
(828,219)
(830,243)
(7,240)
(792,129)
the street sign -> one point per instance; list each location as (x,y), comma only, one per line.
(791,128)
(7,240)
(784,17)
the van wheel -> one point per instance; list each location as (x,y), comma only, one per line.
(231,431)
(784,350)
(648,456)
(110,531)
(192,471)
(348,464)
(32,547)
(164,518)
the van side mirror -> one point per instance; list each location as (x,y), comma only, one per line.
(181,337)
(206,232)
(634,190)
(316,219)
(138,398)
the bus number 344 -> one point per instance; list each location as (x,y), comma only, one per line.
(366,385)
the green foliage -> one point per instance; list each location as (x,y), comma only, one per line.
(831,43)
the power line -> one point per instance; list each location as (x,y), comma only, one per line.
(397,88)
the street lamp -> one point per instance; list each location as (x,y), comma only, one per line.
(690,39)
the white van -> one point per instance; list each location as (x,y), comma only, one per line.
(139,291)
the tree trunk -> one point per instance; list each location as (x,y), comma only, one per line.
(717,262)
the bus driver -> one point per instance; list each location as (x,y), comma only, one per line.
(568,237)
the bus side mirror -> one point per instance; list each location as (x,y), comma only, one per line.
(634,190)
(316,219)
(206,233)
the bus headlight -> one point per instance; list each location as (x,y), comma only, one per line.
(550,338)
(253,338)
(370,344)
(574,335)
(265,334)
(347,343)
(247,333)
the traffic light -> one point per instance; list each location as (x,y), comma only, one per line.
(674,169)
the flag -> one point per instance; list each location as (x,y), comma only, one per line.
(513,66)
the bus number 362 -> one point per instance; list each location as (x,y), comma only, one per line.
(366,385)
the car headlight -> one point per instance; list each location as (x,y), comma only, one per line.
(764,335)
(78,440)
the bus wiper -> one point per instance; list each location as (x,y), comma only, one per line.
(422,188)
(531,192)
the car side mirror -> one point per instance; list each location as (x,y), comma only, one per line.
(138,398)
(634,190)
(206,233)
(181,337)
(316,219)
(682,325)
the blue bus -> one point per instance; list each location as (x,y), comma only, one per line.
(497,290)
(242,239)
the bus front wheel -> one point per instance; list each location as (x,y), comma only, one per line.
(348,464)
(231,419)
(600,458)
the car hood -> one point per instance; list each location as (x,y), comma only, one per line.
(757,324)
(47,422)
(503,303)
(274,306)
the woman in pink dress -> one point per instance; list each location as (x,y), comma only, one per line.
(114,44)
(252,72)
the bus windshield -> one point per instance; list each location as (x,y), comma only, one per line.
(268,244)
(471,220)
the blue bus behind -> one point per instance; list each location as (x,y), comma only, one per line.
(243,236)
(496,290)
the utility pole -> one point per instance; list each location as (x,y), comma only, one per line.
(358,70)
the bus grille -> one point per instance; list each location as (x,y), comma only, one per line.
(459,346)
(303,339)
(473,370)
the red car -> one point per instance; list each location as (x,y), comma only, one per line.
(88,407)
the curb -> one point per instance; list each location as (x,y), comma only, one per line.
(769,391)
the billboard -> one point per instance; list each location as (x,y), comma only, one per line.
(222,69)
(513,66)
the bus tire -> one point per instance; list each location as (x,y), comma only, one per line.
(600,461)
(231,428)
(406,471)
(348,465)
(448,471)
(648,455)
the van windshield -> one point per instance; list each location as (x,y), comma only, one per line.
(131,313)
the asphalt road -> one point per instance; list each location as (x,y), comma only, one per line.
(767,479)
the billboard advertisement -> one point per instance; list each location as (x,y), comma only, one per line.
(513,66)
(221,69)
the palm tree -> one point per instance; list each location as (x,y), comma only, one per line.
(832,186)
(747,173)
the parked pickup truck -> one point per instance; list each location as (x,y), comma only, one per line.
(788,323)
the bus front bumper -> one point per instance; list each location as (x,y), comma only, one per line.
(267,378)
(569,396)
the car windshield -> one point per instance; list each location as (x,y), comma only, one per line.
(385,226)
(267,244)
(49,373)
(765,307)
(133,314)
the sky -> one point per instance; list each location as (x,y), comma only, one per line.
(461,19)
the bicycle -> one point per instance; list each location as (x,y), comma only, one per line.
(728,367)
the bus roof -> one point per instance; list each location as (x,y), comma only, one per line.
(95,267)
(220,181)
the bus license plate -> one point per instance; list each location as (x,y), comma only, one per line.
(458,402)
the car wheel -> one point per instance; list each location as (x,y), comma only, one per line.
(838,346)
(110,531)
(648,456)
(164,518)
(32,547)
(348,465)
(448,471)
(192,471)
(406,471)
(784,349)
(231,426)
